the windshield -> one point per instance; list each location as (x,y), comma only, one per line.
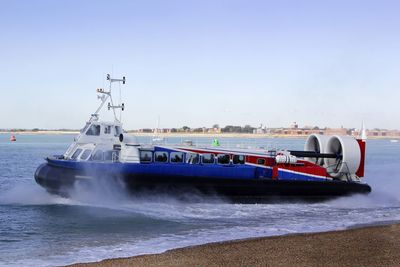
(93,130)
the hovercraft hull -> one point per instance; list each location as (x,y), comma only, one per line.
(61,180)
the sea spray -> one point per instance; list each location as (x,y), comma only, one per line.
(30,194)
(111,193)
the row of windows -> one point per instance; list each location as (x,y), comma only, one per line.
(191,158)
(146,156)
(99,155)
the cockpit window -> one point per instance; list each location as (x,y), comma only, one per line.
(85,155)
(98,155)
(76,153)
(107,129)
(93,130)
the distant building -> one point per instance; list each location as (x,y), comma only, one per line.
(260,130)
(213,130)
(336,131)
(146,130)
(294,125)
(378,133)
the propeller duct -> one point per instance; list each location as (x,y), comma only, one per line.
(316,143)
(348,156)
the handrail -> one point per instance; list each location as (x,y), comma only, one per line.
(115,157)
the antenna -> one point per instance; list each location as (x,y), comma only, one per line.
(105,95)
(115,80)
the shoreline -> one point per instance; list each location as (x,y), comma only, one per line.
(50,132)
(362,245)
(191,135)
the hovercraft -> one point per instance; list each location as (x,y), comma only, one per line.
(329,166)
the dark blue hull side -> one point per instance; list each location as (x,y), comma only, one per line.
(244,185)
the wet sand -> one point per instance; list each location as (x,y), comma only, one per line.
(369,246)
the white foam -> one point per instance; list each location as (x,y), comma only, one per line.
(22,194)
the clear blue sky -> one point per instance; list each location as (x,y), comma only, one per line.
(196,63)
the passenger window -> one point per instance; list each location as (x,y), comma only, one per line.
(192,158)
(98,155)
(176,157)
(208,158)
(93,130)
(223,158)
(76,153)
(161,156)
(146,156)
(85,155)
(238,159)
(107,129)
(260,161)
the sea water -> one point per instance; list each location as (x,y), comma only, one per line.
(39,229)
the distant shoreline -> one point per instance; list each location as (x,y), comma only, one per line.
(39,132)
(373,245)
(185,135)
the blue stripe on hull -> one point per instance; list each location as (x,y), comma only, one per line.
(182,169)
(215,171)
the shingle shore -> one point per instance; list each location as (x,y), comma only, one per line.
(369,246)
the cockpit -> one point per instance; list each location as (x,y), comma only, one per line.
(97,142)
(97,129)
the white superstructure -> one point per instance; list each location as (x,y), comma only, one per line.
(98,139)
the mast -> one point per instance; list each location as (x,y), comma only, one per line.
(107,95)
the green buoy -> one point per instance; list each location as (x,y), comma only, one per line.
(215,142)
